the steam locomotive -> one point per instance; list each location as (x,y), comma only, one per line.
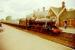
(42,26)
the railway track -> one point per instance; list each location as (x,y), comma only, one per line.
(67,39)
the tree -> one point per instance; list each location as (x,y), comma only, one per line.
(8,18)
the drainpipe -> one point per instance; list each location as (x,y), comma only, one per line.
(70,22)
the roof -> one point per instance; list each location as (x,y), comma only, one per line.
(71,14)
(71,9)
(56,10)
(41,14)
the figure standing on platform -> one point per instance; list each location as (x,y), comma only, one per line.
(65,24)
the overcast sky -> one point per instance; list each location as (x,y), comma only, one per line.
(21,8)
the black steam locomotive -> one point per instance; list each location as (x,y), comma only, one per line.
(42,26)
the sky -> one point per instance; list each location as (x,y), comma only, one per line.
(21,8)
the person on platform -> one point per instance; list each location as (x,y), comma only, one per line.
(65,24)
